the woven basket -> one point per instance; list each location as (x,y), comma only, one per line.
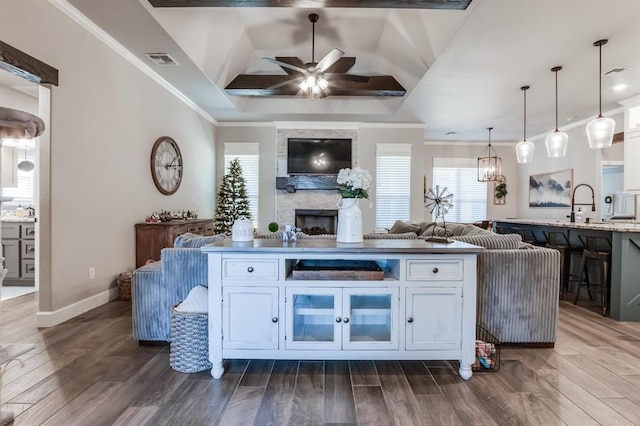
(124,286)
(189,352)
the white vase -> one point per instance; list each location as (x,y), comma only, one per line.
(349,221)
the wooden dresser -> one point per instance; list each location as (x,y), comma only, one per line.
(153,237)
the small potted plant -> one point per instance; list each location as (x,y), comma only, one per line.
(501,192)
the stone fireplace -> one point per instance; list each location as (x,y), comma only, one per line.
(287,203)
(316,221)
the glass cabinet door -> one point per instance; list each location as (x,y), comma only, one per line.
(370,318)
(313,318)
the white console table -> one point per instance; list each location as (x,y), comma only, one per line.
(424,307)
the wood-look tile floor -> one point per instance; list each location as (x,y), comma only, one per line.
(88,371)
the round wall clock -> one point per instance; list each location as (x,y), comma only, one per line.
(166,165)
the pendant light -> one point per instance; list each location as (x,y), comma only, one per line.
(600,129)
(26,165)
(557,141)
(489,165)
(524,149)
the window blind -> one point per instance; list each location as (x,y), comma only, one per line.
(393,183)
(460,176)
(248,154)
(22,193)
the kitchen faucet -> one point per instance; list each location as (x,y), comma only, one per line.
(573,201)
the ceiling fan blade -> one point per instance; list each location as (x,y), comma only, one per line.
(342,65)
(291,60)
(285,65)
(284,83)
(329,60)
(347,77)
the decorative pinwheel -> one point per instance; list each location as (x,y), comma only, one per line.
(438,201)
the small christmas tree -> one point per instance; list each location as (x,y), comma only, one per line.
(233,201)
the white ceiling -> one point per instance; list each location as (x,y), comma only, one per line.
(462,69)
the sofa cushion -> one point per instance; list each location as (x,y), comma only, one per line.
(401,227)
(390,236)
(188,240)
(492,240)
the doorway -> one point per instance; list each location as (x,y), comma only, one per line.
(18,191)
(614,202)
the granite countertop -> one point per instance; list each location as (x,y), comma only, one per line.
(626,226)
(18,219)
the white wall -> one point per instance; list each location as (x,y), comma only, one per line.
(586,165)
(17,100)
(106,115)
(472,150)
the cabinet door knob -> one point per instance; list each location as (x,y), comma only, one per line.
(346,320)
(435,270)
(250,269)
(274,319)
(31,249)
(410,319)
(338,319)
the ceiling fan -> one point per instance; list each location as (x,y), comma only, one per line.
(314,79)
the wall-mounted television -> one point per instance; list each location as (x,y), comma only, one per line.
(317,156)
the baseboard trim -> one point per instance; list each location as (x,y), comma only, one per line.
(49,319)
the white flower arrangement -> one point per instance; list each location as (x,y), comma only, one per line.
(355,182)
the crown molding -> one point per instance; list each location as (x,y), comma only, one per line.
(245,124)
(466,143)
(102,35)
(580,123)
(420,126)
(328,125)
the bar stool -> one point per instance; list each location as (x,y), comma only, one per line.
(558,240)
(528,236)
(598,251)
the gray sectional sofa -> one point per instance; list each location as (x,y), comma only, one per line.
(518,283)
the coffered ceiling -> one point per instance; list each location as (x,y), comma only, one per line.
(462,68)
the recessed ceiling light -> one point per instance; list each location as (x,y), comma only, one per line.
(619,87)
(572,118)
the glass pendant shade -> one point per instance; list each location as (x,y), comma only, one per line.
(524,149)
(600,129)
(557,141)
(524,152)
(600,132)
(557,144)
(489,164)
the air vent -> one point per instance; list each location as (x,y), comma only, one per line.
(162,59)
(615,70)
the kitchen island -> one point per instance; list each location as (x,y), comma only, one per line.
(318,299)
(625,256)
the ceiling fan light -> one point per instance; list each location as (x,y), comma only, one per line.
(304,86)
(524,152)
(600,132)
(557,144)
(323,83)
(311,80)
(316,89)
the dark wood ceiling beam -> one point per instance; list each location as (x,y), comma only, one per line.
(371,4)
(262,85)
(25,66)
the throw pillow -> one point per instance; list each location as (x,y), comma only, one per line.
(390,236)
(188,240)
(400,227)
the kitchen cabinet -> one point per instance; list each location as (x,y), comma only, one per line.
(151,238)
(18,247)
(631,144)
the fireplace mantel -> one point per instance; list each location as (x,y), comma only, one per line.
(294,183)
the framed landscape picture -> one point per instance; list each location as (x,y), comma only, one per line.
(551,189)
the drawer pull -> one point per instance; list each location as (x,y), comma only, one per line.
(250,269)
(410,319)
(31,249)
(31,268)
(346,320)
(338,319)
(274,319)
(435,270)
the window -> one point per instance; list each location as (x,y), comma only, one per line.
(249,156)
(23,192)
(460,176)
(393,183)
